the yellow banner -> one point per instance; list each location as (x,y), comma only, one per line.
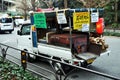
(81,20)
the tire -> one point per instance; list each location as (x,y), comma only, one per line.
(67,68)
(84,64)
(62,69)
(10,32)
(30,59)
(58,68)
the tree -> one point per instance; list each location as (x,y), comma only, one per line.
(62,4)
(33,4)
(111,13)
(94,3)
(65,3)
(46,3)
(116,10)
(115,24)
(23,7)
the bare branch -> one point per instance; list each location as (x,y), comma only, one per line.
(94,3)
(48,3)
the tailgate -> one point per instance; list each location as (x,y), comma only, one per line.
(88,57)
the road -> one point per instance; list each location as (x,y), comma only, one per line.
(11,40)
(106,64)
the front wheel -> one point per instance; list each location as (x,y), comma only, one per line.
(10,32)
(31,57)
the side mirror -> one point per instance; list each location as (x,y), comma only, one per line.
(18,32)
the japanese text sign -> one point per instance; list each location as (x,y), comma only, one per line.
(61,18)
(94,17)
(81,20)
(40,20)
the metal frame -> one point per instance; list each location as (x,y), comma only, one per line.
(4,53)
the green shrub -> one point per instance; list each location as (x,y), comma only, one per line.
(112,34)
(11,71)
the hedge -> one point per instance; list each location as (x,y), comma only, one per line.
(11,71)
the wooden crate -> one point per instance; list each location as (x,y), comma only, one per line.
(95,49)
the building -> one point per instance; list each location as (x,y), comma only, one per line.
(5,5)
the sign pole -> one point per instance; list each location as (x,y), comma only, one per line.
(70,34)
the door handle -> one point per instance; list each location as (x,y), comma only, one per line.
(29,38)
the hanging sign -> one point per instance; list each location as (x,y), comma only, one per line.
(61,18)
(81,21)
(40,20)
(94,17)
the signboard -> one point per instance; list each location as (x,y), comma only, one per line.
(40,20)
(94,17)
(61,18)
(81,21)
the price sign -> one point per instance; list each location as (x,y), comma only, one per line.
(61,18)
(94,17)
(81,21)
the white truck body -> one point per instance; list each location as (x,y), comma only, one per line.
(25,42)
(52,50)
(36,40)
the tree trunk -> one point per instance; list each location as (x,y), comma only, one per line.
(33,4)
(65,3)
(116,11)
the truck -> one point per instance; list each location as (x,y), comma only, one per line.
(44,35)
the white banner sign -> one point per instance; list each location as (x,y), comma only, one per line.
(85,27)
(61,18)
(94,17)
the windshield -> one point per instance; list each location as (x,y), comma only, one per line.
(6,20)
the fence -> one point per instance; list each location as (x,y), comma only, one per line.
(4,48)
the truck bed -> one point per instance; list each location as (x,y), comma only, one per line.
(53,50)
(65,53)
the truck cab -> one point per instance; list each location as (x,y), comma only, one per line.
(24,39)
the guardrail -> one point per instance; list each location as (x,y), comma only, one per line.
(4,48)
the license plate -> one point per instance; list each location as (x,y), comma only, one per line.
(6,25)
(89,61)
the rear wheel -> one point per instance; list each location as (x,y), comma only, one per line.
(58,68)
(10,32)
(84,64)
(61,69)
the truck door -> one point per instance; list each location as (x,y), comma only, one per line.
(24,37)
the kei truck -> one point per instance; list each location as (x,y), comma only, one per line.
(65,35)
